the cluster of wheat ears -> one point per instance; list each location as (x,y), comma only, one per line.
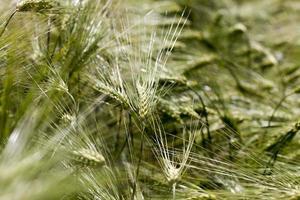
(149,99)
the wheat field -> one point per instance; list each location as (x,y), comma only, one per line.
(149,99)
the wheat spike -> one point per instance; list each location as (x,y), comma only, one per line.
(89,157)
(36,5)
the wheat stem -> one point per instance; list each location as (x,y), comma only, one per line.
(174,190)
(7,22)
(139,163)
(277,107)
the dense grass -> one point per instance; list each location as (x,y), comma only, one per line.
(150,99)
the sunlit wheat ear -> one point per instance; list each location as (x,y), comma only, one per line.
(132,78)
(83,148)
(173,162)
(49,91)
(144,62)
(56,82)
(89,157)
(148,79)
(73,137)
(110,82)
(84,155)
(80,150)
(40,6)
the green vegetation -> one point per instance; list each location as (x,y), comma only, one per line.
(149,99)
